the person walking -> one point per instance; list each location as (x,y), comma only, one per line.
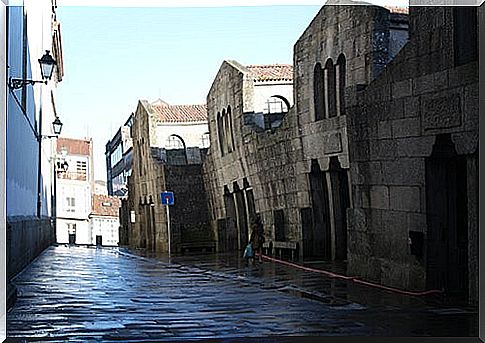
(257,236)
(249,254)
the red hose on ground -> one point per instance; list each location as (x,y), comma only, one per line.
(352,278)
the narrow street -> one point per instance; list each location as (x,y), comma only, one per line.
(83,294)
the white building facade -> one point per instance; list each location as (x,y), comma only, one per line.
(104,220)
(31,28)
(74,191)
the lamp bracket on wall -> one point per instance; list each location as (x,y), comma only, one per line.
(19,83)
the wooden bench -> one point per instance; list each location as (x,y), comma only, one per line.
(280,246)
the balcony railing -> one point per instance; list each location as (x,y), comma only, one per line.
(72,176)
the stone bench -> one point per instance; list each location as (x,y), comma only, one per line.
(278,246)
(197,246)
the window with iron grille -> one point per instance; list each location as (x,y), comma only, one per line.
(81,167)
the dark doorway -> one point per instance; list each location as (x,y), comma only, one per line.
(222,235)
(307,231)
(99,240)
(242,223)
(447,217)
(321,244)
(231,228)
(341,202)
(279,225)
(71,230)
(143,236)
(250,203)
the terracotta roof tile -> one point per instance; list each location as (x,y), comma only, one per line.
(104,205)
(272,72)
(181,113)
(74,146)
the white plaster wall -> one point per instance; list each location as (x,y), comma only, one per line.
(83,231)
(263,92)
(3,122)
(81,191)
(107,227)
(39,35)
(190,133)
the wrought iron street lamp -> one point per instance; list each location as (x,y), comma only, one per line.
(56,128)
(47,64)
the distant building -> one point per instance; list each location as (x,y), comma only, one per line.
(119,160)
(74,189)
(100,187)
(104,220)
(246,170)
(169,144)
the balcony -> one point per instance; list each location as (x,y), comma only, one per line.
(72,176)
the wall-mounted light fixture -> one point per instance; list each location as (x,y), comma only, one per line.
(47,64)
(56,128)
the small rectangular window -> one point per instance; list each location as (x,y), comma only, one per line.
(71,204)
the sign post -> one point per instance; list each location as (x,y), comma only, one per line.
(168,200)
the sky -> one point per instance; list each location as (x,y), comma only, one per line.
(114,56)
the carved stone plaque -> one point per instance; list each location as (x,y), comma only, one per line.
(332,143)
(442,112)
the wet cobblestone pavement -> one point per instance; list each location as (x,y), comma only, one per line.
(88,294)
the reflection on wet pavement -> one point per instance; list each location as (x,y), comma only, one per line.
(80,293)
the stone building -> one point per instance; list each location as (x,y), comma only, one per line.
(169,143)
(414,160)
(342,50)
(251,165)
(375,163)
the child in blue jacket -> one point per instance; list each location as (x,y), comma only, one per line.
(249,254)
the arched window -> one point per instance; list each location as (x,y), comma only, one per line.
(225,121)
(231,130)
(276,108)
(174,142)
(220,132)
(340,88)
(318,92)
(330,96)
(276,104)
(205,140)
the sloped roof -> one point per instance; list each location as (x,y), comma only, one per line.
(271,72)
(181,113)
(159,102)
(105,205)
(74,146)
